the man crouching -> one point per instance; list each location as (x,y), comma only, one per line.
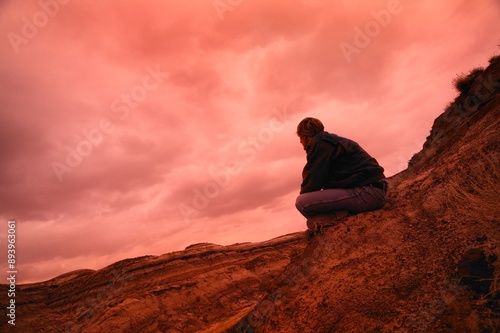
(339,177)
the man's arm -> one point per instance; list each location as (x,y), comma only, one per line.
(316,168)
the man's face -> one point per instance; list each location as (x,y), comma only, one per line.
(305,141)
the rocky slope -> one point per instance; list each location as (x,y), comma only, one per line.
(186,291)
(427,261)
(424,263)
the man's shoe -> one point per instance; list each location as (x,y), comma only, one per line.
(315,224)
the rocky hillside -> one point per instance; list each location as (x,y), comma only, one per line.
(186,291)
(424,263)
(428,261)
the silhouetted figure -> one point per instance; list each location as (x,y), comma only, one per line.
(339,177)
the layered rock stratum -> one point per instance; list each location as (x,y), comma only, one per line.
(426,262)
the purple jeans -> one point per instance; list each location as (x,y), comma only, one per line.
(354,200)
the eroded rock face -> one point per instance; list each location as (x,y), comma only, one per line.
(402,268)
(187,291)
(398,269)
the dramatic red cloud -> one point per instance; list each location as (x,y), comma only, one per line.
(131,128)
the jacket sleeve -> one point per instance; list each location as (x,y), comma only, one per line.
(317,167)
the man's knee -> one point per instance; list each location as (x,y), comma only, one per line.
(298,203)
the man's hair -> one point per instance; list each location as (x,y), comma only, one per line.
(309,127)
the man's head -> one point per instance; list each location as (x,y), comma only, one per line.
(308,128)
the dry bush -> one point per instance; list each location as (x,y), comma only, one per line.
(463,82)
(474,191)
(494,58)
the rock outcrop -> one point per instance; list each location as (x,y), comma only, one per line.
(186,291)
(426,262)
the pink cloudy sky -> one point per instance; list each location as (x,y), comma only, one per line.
(132,128)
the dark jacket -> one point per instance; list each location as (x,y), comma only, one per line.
(337,162)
